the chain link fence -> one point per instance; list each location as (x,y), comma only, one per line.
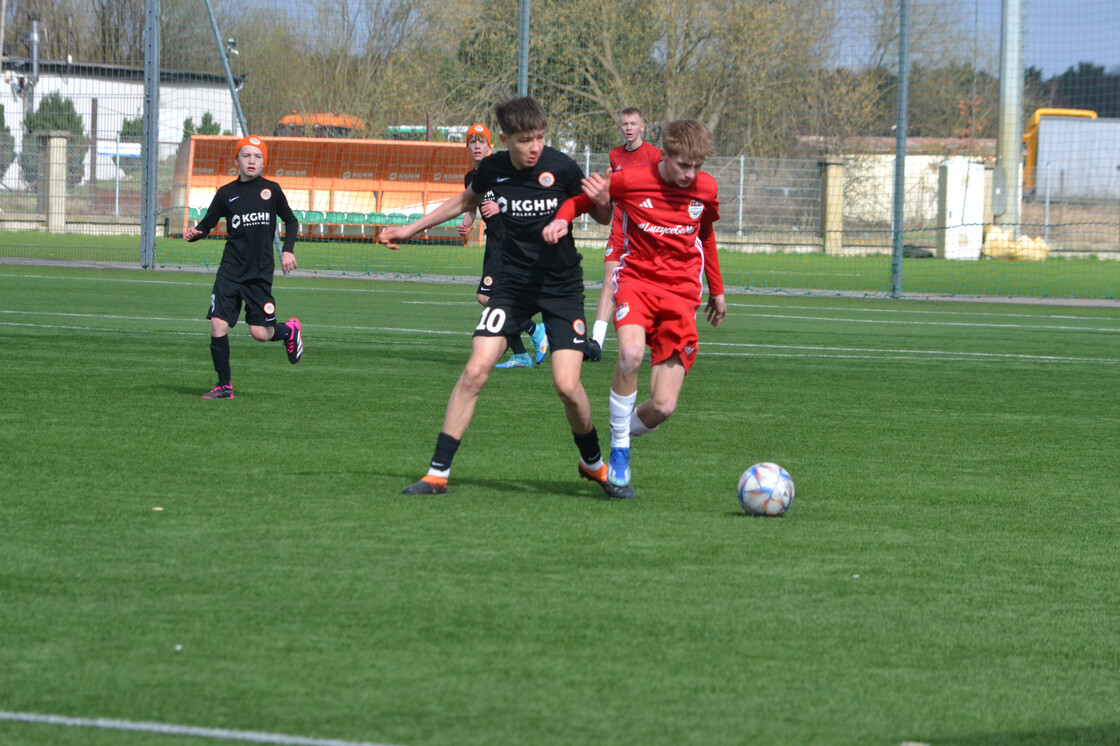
(801,96)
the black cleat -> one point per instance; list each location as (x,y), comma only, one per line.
(221,391)
(600,478)
(594,351)
(429,485)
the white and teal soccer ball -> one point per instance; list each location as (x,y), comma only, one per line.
(766,489)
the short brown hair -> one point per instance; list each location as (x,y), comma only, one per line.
(631,110)
(687,138)
(523,114)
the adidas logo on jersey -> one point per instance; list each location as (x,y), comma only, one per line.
(648,204)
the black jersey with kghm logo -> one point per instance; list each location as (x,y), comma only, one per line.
(250,209)
(528,199)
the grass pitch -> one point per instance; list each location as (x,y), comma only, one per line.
(946,574)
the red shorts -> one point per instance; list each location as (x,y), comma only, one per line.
(616,241)
(670,323)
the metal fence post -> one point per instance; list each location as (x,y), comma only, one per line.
(898,207)
(149,154)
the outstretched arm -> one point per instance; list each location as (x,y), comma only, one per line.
(465,200)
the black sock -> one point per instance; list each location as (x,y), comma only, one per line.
(219,351)
(281,333)
(530,328)
(445,451)
(516,346)
(588,445)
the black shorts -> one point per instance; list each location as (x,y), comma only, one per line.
(512,304)
(491,268)
(227,297)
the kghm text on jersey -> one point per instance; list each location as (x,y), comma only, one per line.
(534,206)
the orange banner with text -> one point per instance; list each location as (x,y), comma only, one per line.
(338,175)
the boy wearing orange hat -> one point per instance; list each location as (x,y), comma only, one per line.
(479,146)
(250,206)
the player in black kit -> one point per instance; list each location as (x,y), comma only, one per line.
(530,181)
(479,146)
(250,206)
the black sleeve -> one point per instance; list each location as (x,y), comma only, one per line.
(291,225)
(574,184)
(214,213)
(482,180)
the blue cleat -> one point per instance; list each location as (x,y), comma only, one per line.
(517,361)
(618,469)
(539,338)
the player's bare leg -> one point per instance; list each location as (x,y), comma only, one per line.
(665,382)
(485,351)
(566,367)
(603,313)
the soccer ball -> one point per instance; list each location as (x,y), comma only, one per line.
(766,489)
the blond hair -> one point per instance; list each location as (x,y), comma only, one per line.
(687,138)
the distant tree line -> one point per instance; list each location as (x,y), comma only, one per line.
(767,76)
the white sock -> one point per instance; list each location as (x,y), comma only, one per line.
(621,407)
(637,427)
(599,332)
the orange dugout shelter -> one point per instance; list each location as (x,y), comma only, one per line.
(339,187)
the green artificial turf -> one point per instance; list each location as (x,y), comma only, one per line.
(947,573)
(800,273)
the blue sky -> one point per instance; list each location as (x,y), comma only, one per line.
(1061,33)
(1058,34)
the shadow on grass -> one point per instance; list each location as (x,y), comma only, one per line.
(1095,735)
(577,488)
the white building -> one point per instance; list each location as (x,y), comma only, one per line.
(117,93)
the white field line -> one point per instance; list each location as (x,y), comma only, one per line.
(411,290)
(793,317)
(903,322)
(168,729)
(922,311)
(886,353)
(737,349)
(420,289)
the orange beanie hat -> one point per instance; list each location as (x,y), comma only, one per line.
(479,129)
(256,142)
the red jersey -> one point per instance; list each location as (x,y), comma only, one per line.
(670,246)
(644,155)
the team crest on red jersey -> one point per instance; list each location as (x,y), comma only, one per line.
(621,311)
(546,179)
(695,209)
(266,194)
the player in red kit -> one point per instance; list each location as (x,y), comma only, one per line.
(634,152)
(668,209)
